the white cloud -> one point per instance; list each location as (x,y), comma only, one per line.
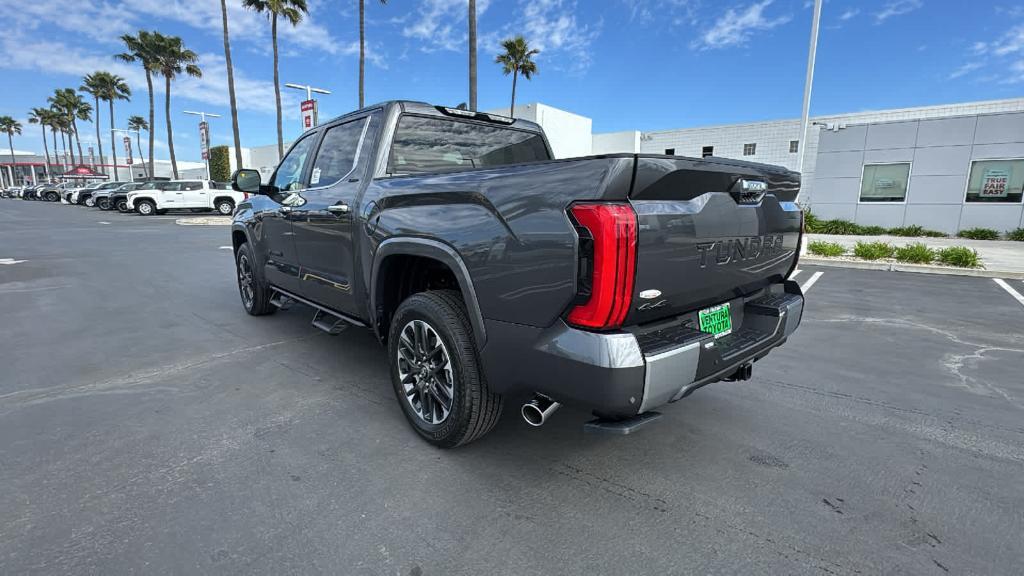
(442,24)
(734,28)
(674,11)
(45,56)
(551,26)
(965,69)
(849,14)
(897,8)
(1012,42)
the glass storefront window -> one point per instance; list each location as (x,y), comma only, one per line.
(996,181)
(885,182)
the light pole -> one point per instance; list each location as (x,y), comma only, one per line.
(812,52)
(309,99)
(204,136)
(131,172)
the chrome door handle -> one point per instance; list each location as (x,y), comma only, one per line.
(339,208)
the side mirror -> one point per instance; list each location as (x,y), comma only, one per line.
(246,180)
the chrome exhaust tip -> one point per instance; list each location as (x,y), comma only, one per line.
(538,410)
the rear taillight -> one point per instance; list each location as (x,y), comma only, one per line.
(608,264)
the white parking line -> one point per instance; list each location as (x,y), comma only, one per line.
(810,281)
(225,247)
(1016,295)
(101,222)
(9,261)
(795,273)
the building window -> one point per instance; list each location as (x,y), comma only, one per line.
(670,151)
(885,182)
(749,149)
(707,151)
(794,146)
(996,181)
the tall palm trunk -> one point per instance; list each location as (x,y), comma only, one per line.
(69,149)
(10,144)
(113,145)
(149,84)
(512,109)
(362,49)
(472,54)
(53,136)
(277,86)
(46,150)
(170,134)
(78,141)
(99,142)
(231,85)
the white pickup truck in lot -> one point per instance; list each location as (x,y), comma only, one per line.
(184,195)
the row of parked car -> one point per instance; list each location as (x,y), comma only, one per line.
(144,197)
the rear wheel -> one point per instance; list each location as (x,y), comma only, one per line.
(436,373)
(52,197)
(90,201)
(122,205)
(225,207)
(254,291)
(103,204)
(146,207)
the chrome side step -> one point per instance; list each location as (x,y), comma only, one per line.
(329,323)
(323,318)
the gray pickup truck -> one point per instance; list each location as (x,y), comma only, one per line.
(619,283)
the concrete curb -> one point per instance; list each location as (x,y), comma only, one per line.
(919,268)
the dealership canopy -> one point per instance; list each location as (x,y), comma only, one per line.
(83,171)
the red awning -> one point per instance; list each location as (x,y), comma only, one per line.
(83,171)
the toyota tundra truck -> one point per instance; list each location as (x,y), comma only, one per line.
(619,283)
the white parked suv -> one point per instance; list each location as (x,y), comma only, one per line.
(185,195)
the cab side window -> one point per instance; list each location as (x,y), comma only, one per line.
(288,177)
(193,185)
(337,154)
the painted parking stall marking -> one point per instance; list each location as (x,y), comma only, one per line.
(810,281)
(795,274)
(1012,291)
(9,261)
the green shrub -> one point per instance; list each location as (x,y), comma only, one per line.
(873,250)
(915,230)
(961,256)
(916,253)
(821,248)
(811,222)
(979,234)
(220,164)
(872,230)
(1016,235)
(838,227)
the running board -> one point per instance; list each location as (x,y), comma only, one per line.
(620,427)
(281,301)
(329,323)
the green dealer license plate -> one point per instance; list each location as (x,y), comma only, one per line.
(716,320)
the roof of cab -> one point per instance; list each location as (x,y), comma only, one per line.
(426,109)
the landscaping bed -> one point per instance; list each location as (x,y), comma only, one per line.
(883,252)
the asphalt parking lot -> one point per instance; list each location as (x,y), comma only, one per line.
(148,425)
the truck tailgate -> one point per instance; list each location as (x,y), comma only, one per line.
(709,231)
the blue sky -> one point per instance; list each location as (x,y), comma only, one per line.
(628,64)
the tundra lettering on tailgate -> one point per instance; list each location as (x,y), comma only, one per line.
(738,249)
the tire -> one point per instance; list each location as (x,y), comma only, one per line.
(225,207)
(145,207)
(52,197)
(252,289)
(122,206)
(90,202)
(474,409)
(103,204)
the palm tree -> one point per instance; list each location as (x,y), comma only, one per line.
(138,124)
(10,126)
(91,86)
(517,59)
(73,108)
(113,87)
(41,116)
(58,123)
(362,48)
(472,54)
(231,84)
(292,11)
(143,48)
(173,59)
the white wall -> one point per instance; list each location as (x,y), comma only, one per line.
(570,134)
(616,143)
